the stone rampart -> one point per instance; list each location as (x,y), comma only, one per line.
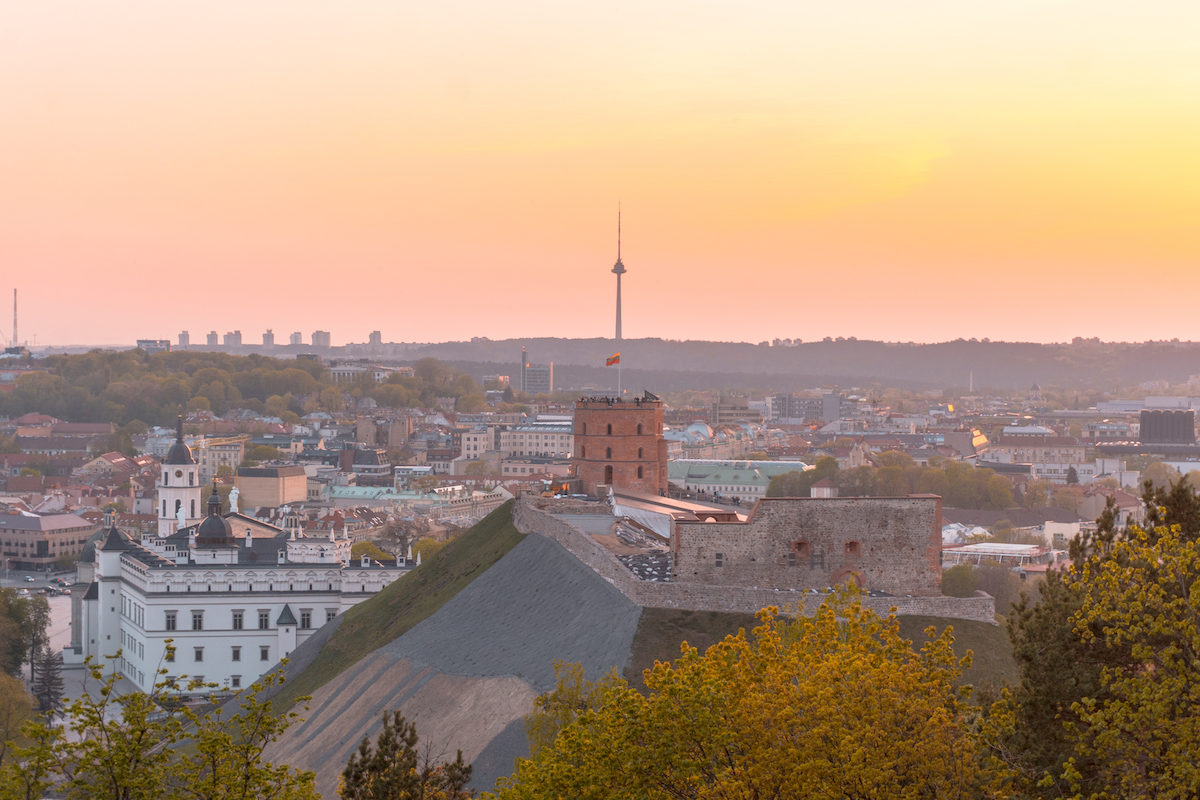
(713,597)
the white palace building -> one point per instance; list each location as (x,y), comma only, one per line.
(233,594)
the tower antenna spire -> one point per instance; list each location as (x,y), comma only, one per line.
(618,270)
(618,230)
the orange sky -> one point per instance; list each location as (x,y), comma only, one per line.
(904,171)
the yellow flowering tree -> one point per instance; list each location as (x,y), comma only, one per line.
(1143,735)
(836,705)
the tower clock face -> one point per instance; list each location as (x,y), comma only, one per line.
(178,473)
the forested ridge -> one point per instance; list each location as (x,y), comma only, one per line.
(123,386)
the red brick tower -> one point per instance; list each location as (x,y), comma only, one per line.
(619,443)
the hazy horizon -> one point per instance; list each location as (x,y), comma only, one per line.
(924,171)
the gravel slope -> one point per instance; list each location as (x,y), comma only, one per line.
(468,674)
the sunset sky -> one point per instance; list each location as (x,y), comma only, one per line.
(890,170)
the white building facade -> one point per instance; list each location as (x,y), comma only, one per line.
(230,607)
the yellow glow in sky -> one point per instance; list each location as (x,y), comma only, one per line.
(904,171)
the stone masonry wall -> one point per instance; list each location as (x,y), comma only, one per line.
(889,544)
(716,597)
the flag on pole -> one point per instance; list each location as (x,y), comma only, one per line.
(615,358)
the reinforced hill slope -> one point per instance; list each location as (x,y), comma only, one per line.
(468,673)
(464,644)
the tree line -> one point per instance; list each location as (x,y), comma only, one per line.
(960,485)
(132,388)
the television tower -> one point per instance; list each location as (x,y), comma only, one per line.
(619,270)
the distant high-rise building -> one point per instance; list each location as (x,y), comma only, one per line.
(233,338)
(536,378)
(269,338)
(296,338)
(376,338)
(320,339)
(185,339)
(152,346)
(619,270)
(212,338)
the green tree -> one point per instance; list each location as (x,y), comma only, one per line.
(16,707)
(47,684)
(1160,475)
(478,468)
(1037,494)
(393,769)
(837,705)
(124,746)
(369,549)
(261,452)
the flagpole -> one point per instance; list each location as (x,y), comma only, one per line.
(618,379)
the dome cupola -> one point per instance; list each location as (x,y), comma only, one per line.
(215,530)
(179,453)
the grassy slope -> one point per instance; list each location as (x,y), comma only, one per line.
(660,631)
(388,615)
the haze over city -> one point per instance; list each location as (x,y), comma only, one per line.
(918,171)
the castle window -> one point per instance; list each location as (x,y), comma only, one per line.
(235,681)
(305,618)
(639,472)
(237,620)
(608,474)
(583,428)
(791,559)
(720,559)
(264,653)
(199,654)
(236,655)
(852,549)
(610,429)
(583,451)
(639,455)
(197,620)
(800,548)
(608,452)
(639,429)
(264,619)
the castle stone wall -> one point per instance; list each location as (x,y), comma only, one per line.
(889,544)
(718,597)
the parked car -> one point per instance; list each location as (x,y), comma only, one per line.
(29,579)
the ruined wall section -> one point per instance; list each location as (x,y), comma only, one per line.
(890,544)
(718,597)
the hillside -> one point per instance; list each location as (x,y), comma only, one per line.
(468,672)
(394,611)
(464,644)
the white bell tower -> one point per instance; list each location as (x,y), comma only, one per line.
(179,488)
